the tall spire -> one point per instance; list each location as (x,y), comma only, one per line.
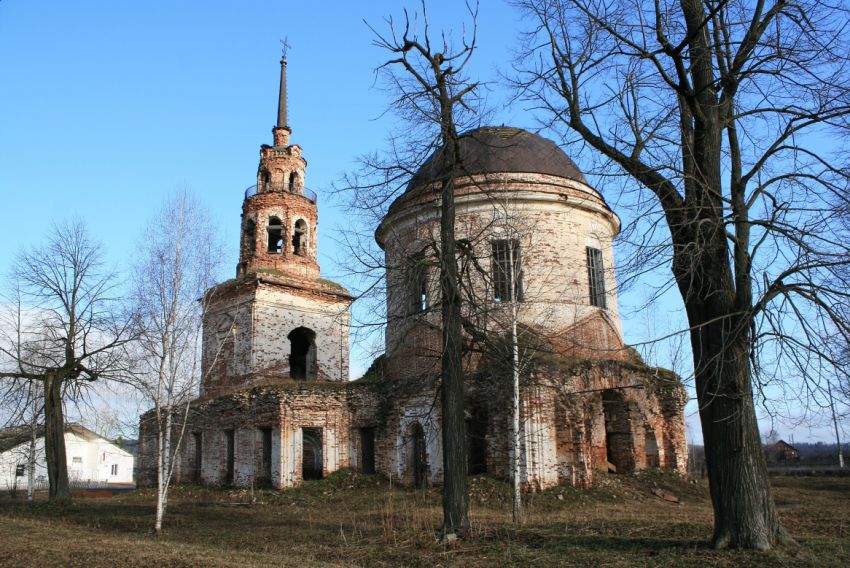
(281,103)
(282,121)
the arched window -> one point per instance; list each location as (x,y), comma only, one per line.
(293,182)
(302,353)
(250,235)
(275,230)
(417,283)
(265,178)
(299,238)
(596,277)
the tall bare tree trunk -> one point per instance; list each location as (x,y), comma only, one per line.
(744,512)
(54,441)
(455,491)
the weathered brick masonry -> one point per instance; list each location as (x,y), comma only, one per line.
(276,406)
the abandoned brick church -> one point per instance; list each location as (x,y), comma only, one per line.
(276,405)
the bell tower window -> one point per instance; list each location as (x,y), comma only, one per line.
(275,236)
(302,353)
(265,178)
(299,238)
(293,182)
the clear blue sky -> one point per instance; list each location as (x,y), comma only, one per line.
(107,106)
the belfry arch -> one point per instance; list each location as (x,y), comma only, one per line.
(299,238)
(302,353)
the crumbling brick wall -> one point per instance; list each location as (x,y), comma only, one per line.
(236,422)
(247,323)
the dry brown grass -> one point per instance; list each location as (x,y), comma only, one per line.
(349,520)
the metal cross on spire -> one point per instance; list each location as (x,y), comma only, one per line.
(285,43)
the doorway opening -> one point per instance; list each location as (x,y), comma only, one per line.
(476,428)
(311,453)
(619,446)
(367,451)
(417,456)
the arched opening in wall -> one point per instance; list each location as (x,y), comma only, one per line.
(568,442)
(476,430)
(302,353)
(293,182)
(618,435)
(311,453)
(229,457)
(367,451)
(299,238)
(670,456)
(198,458)
(275,230)
(265,178)
(417,459)
(264,477)
(250,235)
(651,448)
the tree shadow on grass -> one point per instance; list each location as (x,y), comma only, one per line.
(576,547)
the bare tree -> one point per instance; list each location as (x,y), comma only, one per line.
(432,96)
(178,260)
(20,400)
(716,112)
(70,331)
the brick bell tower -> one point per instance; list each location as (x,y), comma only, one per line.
(279,215)
(277,321)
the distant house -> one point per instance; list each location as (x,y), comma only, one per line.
(782,451)
(92,459)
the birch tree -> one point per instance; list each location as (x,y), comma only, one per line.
(178,260)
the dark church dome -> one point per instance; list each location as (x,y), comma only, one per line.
(501,149)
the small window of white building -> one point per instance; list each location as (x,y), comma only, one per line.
(78,460)
(114,471)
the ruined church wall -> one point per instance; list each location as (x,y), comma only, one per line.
(572,423)
(279,311)
(554,220)
(227,336)
(339,410)
(246,328)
